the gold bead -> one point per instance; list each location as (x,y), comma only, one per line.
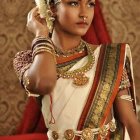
(69,134)
(55,135)
(87,134)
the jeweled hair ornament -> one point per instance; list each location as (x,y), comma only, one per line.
(45,11)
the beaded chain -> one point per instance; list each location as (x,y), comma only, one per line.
(66,53)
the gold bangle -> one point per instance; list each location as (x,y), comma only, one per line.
(46,45)
(40,39)
(125,97)
(40,51)
(43,49)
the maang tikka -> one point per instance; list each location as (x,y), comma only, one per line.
(45,12)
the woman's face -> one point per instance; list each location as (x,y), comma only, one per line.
(70,16)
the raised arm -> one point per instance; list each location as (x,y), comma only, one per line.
(40,71)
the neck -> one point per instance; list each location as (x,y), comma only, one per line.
(65,41)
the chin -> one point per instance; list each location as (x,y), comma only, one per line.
(79,32)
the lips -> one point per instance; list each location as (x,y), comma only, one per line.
(82,23)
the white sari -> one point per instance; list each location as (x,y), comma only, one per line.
(68,100)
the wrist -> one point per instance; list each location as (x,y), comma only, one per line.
(42,34)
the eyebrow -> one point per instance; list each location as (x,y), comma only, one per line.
(88,0)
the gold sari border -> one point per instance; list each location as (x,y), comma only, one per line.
(105,86)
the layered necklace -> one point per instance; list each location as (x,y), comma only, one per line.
(66,53)
(78,75)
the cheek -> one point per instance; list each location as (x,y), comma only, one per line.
(66,15)
(91,15)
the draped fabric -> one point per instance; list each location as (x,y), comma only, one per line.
(32,121)
(97,34)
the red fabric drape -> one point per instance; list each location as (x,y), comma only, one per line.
(33,136)
(97,33)
(32,118)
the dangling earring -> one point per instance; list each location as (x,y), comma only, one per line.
(50,20)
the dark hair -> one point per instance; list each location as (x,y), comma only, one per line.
(50,1)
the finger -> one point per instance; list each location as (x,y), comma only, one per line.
(29,16)
(35,9)
(33,13)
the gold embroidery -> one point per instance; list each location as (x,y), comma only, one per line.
(95,117)
(103,93)
(125,83)
(112,126)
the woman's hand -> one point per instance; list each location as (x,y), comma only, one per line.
(36,24)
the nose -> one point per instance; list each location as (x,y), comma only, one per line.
(83,12)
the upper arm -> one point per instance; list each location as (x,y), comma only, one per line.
(22,62)
(123,106)
(125,109)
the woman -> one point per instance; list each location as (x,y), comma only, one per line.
(86,90)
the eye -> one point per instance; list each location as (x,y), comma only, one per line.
(91,4)
(73,3)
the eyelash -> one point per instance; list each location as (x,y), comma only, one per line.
(92,4)
(74,3)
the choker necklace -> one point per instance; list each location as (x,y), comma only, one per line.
(78,75)
(66,53)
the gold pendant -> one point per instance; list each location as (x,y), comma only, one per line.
(80,80)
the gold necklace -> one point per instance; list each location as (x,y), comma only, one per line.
(67,53)
(78,75)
